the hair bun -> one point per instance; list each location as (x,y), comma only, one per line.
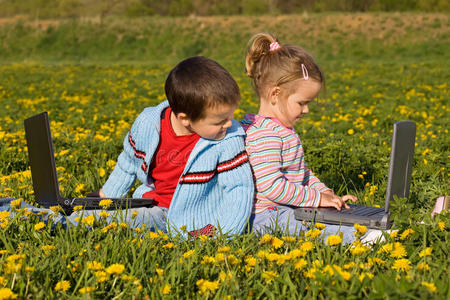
(258,47)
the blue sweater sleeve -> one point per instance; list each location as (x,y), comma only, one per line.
(236,181)
(129,161)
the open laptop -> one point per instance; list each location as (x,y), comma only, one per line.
(44,176)
(399,179)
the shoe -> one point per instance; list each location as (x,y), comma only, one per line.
(442,203)
(373,236)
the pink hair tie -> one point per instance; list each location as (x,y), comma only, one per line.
(305,72)
(274,46)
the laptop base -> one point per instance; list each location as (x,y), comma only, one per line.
(378,218)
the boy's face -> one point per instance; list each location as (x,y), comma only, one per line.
(215,123)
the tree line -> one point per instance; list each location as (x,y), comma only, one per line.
(134,8)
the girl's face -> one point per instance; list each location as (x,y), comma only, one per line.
(293,98)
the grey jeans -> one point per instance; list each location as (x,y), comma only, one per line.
(282,219)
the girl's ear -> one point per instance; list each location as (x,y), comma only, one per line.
(273,95)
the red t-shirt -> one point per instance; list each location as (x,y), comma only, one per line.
(169,161)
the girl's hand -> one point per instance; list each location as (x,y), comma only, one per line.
(349,197)
(328,200)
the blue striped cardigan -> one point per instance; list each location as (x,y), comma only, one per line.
(216,188)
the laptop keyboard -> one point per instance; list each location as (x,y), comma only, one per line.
(361,210)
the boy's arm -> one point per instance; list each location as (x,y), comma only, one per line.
(128,163)
(264,148)
(236,181)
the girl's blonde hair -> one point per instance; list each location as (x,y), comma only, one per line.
(277,65)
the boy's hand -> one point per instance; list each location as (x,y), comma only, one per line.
(329,200)
(98,193)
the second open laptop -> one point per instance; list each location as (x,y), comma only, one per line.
(44,176)
(399,179)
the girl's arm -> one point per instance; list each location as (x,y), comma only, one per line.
(264,148)
(311,180)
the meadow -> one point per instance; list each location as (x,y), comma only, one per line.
(95,78)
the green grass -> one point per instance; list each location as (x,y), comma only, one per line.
(95,79)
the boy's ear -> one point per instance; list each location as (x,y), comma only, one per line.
(183,119)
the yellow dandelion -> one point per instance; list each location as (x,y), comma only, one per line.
(15,204)
(48,248)
(423,266)
(276,243)
(394,234)
(406,233)
(188,254)
(313,233)
(398,251)
(300,264)
(203,238)
(289,239)
(224,249)
(169,246)
(251,261)
(134,214)
(111,163)
(104,214)
(350,131)
(101,172)
(206,286)
(39,226)
(307,246)
(4,214)
(6,293)
(359,249)
(267,238)
(159,271)
(430,286)
(386,248)
(426,252)
(86,290)
(55,208)
(360,229)
(63,285)
(345,275)
(89,220)
(115,269)
(79,188)
(441,226)
(102,276)
(295,253)
(350,265)
(402,265)
(269,275)
(334,240)
(153,235)
(320,226)
(166,289)
(78,208)
(94,265)
(105,203)
(224,276)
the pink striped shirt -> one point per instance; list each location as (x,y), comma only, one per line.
(278,162)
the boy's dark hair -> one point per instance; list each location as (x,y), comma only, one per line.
(197,83)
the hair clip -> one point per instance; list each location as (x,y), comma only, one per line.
(274,46)
(305,72)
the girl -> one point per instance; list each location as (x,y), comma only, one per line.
(286,80)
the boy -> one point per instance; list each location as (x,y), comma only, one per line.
(189,154)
